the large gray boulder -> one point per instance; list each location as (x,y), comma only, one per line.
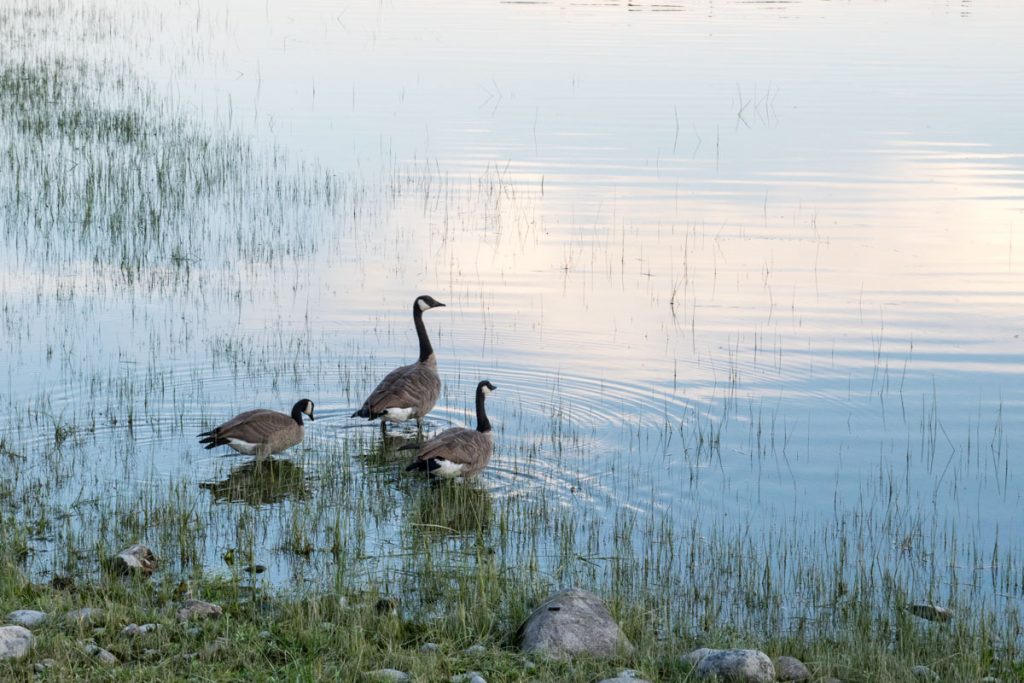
(15,642)
(570,623)
(732,666)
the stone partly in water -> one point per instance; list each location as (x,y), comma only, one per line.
(736,666)
(199,609)
(570,623)
(931,612)
(29,618)
(15,642)
(135,560)
(791,670)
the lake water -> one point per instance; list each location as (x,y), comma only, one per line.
(754,268)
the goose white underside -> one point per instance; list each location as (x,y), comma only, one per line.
(398,414)
(243,447)
(447,469)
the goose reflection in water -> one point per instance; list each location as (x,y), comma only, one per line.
(260,483)
(446,508)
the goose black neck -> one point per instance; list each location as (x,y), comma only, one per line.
(297,412)
(482,423)
(426,350)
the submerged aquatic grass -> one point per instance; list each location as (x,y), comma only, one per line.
(103,176)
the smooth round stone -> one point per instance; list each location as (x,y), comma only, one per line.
(791,670)
(29,618)
(15,642)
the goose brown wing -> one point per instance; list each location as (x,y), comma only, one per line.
(410,386)
(458,445)
(255,426)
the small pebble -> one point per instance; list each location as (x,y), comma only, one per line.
(44,664)
(468,677)
(430,648)
(387,676)
(477,649)
(924,673)
(98,653)
(136,630)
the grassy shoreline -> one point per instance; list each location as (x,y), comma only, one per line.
(270,634)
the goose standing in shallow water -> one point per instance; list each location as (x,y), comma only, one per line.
(260,432)
(459,451)
(408,392)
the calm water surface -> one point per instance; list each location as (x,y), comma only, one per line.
(748,266)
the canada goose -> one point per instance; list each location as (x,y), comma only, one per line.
(260,432)
(459,451)
(408,392)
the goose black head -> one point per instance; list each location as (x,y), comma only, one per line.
(304,406)
(485,387)
(426,302)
